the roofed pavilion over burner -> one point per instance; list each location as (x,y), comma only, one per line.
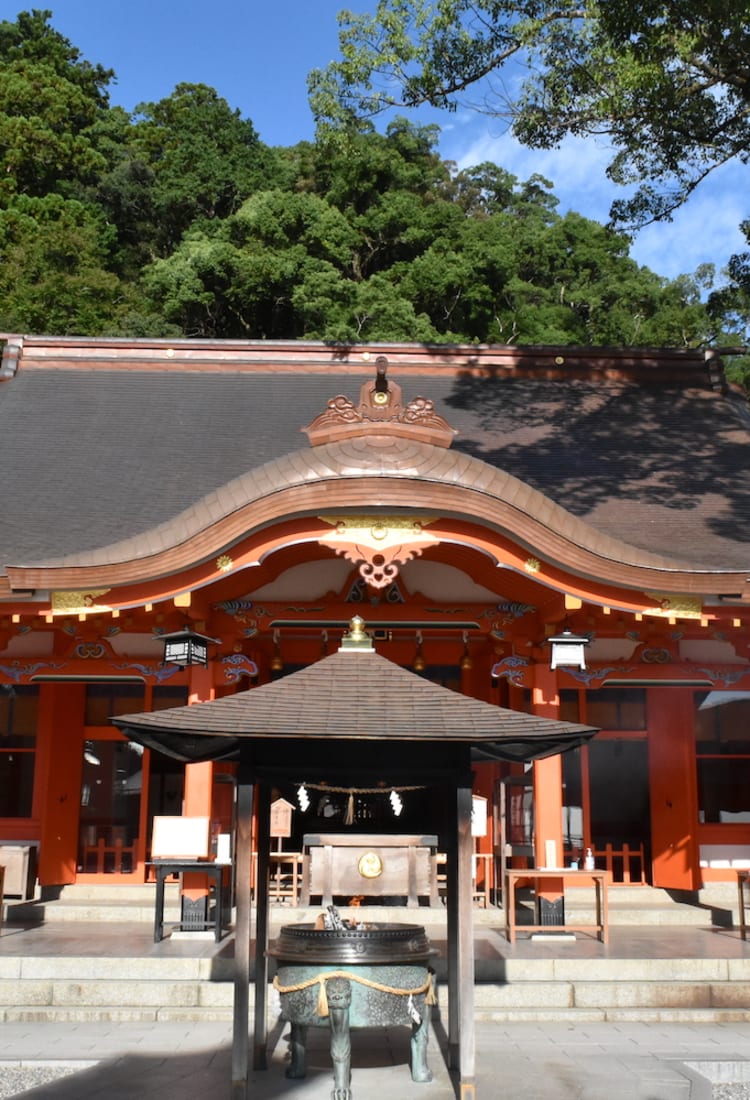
(354,719)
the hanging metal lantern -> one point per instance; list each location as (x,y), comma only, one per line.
(186,647)
(568,650)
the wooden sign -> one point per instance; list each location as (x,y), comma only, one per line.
(281,818)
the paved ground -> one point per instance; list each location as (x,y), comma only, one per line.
(173,1061)
(515,1061)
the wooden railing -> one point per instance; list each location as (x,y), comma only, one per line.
(626,864)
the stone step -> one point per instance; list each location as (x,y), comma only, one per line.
(75,987)
(634,906)
(95,968)
(491,970)
(53,986)
(65,911)
(645,1002)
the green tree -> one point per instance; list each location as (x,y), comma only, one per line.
(31,40)
(391,188)
(205,159)
(668,84)
(384,241)
(123,190)
(178,220)
(50,97)
(53,275)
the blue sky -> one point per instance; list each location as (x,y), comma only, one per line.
(257,54)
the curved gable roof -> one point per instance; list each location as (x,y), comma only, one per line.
(451,482)
(645,467)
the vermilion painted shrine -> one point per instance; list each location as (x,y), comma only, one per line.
(468,502)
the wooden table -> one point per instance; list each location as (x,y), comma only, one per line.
(538,877)
(166,867)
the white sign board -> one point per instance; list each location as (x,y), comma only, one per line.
(180,838)
(478,815)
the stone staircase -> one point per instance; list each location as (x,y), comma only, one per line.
(102,904)
(669,959)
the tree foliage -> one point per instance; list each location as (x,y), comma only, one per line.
(668,84)
(204,158)
(178,220)
(49,99)
(382,240)
(52,275)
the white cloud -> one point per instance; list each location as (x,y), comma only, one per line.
(704,230)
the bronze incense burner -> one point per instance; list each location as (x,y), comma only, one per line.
(353,976)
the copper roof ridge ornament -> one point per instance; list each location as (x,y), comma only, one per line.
(380,412)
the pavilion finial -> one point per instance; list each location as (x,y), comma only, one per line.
(357,638)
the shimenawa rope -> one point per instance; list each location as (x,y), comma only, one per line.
(322,978)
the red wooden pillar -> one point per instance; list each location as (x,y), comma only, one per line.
(60,763)
(548,804)
(674,790)
(548,830)
(199,779)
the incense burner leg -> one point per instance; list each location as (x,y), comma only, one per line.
(298,1049)
(339,993)
(420,1071)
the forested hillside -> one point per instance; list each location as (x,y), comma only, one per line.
(178,220)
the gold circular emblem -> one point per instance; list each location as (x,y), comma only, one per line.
(370,865)
(380,398)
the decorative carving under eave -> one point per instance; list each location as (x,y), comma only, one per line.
(17,673)
(378,545)
(513,669)
(75,602)
(380,412)
(677,607)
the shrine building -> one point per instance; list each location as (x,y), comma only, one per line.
(558,531)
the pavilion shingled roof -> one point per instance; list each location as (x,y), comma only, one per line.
(351,695)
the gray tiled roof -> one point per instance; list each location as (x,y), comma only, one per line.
(91,455)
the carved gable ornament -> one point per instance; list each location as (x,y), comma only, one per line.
(378,545)
(380,412)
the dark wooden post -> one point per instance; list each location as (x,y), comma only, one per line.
(450,826)
(243,878)
(459,881)
(261,927)
(465,946)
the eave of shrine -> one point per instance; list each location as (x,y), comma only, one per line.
(382,481)
(464,501)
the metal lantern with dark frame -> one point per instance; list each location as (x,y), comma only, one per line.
(186,647)
(568,650)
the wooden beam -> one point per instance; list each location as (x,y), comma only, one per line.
(451,905)
(243,862)
(261,928)
(465,946)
